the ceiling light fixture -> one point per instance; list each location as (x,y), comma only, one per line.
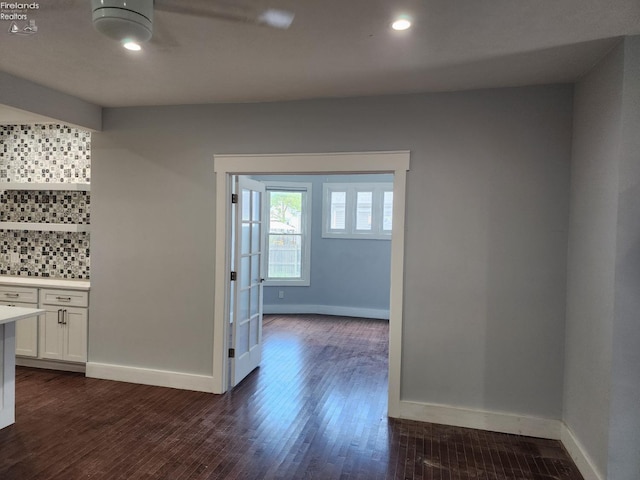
(402,23)
(123,20)
(133,46)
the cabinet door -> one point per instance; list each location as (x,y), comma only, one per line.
(52,334)
(27,337)
(26,332)
(75,334)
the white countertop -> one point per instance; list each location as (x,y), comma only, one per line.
(45,282)
(11,314)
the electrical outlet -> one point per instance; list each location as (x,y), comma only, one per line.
(15,257)
(280,293)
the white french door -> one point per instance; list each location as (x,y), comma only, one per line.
(246,314)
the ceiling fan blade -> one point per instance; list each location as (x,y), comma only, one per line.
(276,18)
(270,17)
(162,36)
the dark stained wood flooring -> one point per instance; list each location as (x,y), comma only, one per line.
(315,409)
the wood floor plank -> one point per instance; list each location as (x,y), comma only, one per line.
(315,409)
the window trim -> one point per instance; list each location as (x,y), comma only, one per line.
(305,267)
(377,210)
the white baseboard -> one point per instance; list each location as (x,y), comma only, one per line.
(481,419)
(579,455)
(147,376)
(327,310)
(505,423)
(50,364)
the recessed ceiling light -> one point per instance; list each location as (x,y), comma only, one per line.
(133,46)
(401,24)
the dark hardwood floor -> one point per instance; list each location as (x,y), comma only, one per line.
(315,409)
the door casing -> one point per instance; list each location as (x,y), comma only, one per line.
(395,162)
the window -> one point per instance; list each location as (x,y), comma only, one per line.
(357,210)
(288,252)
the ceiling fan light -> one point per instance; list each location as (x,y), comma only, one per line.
(116,20)
(133,46)
(276,18)
(400,24)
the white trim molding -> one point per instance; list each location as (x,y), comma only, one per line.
(482,419)
(338,310)
(579,455)
(505,423)
(147,376)
(51,364)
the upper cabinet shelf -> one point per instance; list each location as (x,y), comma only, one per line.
(67,187)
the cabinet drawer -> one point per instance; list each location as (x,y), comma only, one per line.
(72,298)
(18,294)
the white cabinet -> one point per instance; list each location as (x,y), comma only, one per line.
(26,331)
(27,328)
(11,293)
(63,334)
(63,327)
(67,298)
(57,338)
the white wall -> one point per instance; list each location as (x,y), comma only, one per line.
(487,207)
(602,380)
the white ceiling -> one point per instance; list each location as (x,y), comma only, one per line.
(335,48)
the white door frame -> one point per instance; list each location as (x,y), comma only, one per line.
(225,166)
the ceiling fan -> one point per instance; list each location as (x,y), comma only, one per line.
(132,20)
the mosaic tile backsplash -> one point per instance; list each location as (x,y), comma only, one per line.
(45,254)
(44,206)
(44,154)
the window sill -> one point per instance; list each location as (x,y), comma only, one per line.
(287,283)
(356,236)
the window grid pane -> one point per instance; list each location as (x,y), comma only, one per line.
(387,211)
(338,210)
(285,256)
(285,212)
(364,208)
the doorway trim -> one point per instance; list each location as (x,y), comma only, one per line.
(395,162)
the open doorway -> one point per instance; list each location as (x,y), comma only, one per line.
(396,163)
(306,244)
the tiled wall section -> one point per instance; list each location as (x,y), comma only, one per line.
(45,206)
(44,154)
(44,254)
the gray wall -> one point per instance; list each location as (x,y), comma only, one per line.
(31,97)
(602,380)
(591,261)
(487,206)
(345,273)
(624,431)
